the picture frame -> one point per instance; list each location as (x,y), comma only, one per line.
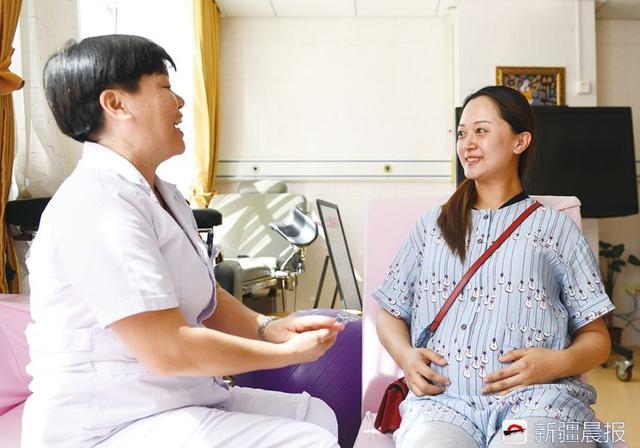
(543,86)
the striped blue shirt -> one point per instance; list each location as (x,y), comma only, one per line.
(536,290)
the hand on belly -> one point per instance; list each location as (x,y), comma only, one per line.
(527,366)
(420,377)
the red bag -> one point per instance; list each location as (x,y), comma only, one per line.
(388,417)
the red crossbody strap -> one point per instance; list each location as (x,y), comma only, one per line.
(472,270)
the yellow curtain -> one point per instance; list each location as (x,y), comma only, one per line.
(206,100)
(9,82)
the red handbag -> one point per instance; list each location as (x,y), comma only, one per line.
(388,418)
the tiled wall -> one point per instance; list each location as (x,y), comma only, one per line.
(618,56)
(334,89)
(337,97)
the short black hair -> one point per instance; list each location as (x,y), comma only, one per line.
(75,76)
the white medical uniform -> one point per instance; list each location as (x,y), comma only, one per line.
(105,250)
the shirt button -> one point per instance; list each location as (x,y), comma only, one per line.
(479,241)
(485,217)
(473,299)
(463,326)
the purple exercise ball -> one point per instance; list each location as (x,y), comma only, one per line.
(335,378)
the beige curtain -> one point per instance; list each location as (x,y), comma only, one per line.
(9,82)
(44,156)
(206,101)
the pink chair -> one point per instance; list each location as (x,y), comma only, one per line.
(14,356)
(389,221)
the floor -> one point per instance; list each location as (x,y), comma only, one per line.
(619,401)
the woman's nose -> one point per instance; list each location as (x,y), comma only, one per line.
(468,141)
(180,101)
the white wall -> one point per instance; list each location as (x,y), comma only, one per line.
(334,99)
(527,33)
(618,56)
(327,89)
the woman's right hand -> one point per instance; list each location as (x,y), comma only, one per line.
(422,379)
(310,345)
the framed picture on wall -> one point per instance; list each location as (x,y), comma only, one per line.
(543,86)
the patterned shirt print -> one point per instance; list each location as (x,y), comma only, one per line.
(536,290)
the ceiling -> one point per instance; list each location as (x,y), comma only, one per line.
(335,8)
(605,9)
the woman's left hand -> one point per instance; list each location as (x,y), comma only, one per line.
(281,330)
(528,366)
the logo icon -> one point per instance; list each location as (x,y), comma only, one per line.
(514,432)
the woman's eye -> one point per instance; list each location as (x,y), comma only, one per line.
(481,131)
(460,134)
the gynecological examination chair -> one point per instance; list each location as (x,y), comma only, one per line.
(262,241)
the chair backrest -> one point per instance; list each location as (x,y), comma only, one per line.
(389,221)
(245,225)
(14,351)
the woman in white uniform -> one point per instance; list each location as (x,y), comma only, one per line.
(131,333)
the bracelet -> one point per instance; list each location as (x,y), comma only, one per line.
(263,321)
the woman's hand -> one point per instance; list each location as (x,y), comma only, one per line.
(422,379)
(309,345)
(282,330)
(528,366)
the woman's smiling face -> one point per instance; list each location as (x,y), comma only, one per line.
(486,144)
(156,111)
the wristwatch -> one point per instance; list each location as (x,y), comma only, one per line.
(263,321)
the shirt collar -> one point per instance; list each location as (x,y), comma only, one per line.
(522,196)
(97,156)
(517,198)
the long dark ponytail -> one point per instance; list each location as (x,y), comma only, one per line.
(455,219)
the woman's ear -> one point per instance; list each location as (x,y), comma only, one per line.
(113,105)
(524,139)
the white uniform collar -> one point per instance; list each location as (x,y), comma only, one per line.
(98,156)
(95,155)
